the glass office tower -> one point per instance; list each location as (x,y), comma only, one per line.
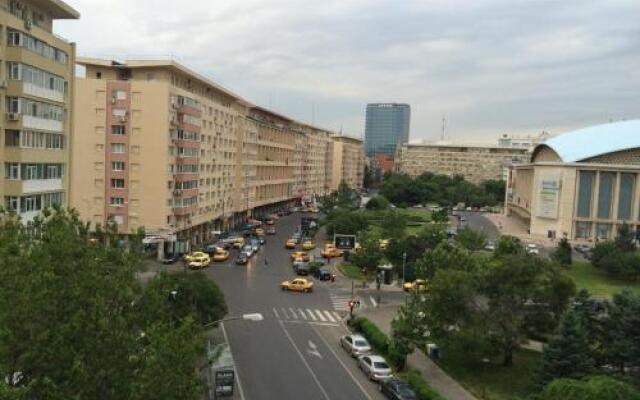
(387,124)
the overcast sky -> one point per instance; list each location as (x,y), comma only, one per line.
(492,67)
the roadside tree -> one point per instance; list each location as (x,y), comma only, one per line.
(562,254)
(471,239)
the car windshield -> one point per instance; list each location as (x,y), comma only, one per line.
(404,390)
(361,343)
(380,365)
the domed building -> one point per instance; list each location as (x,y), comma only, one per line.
(581,184)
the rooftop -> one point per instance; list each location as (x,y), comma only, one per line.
(60,10)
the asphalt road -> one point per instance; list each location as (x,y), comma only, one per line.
(294,353)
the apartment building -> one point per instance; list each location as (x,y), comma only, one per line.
(347,162)
(161,147)
(36,86)
(476,162)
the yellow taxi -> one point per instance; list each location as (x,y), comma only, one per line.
(290,244)
(297,285)
(419,285)
(308,245)
(221,255)
(300,255)
(259,232)
(194,255)
(384,244)
(331,251)
(238,243)
(201,260)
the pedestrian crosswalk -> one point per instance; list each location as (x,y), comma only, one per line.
(307,315)
(340,302)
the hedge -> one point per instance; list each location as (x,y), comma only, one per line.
(381,343)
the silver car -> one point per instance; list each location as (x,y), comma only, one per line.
(375,367)
(248,250)
(355,345)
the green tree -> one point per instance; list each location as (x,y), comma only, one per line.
(408,329)
(602,251)
(625,239)
(583,306)
(441,216)
(508,245)
(621,346)
(368,179)
(370,257)
(568,355)
(471,239)
(345,222)
(562,254)
(394,224)
(593,388)
(495,191)
(378,202)
(345,196)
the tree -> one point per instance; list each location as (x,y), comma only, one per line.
(625,240)
(407,329)
(345,196)
(370,256)
(508,245)
(592,388)
(562,254)
(621,346)
(368,179)
(378,202)
(345,222)
(568,355)
(495,191)
(70,318)
(441,216)
(394,224)
(471,239)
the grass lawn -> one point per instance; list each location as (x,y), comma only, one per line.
(492,381)
(352,272)
(596,281)
(413,227)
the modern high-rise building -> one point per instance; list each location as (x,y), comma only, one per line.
(387,125)
(36,86)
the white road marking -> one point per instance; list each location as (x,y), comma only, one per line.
(329,316)
(319,313)
(373,301)
(302,314)
(306,364)
(285,313)
(313,317)
(338,317)
(289,321)
(343,364)
(313,350)
(293,313)
(235,370)
(276,313)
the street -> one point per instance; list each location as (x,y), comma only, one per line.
(295,351)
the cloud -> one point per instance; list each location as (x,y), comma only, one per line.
(491,66)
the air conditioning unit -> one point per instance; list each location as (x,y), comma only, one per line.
(13,116)
(113,100)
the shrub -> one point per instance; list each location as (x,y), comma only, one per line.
(421,387)
(377,339)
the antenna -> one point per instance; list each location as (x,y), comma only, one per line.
(313,113)
(444,120)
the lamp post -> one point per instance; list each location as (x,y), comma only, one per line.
(404,261)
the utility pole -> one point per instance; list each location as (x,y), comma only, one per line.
(404,261)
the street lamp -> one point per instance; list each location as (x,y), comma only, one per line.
(404,261)
(254,317)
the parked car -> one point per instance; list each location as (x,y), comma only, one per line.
(242,259)
(395,389)
(532,249)
(355,345)
(271,230)
(419,285)
(331,251)
(297,285)
(171,259)
(490,245)
(583,249)
(248,250)
(375,367)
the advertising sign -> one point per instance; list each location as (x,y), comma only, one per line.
(549,195)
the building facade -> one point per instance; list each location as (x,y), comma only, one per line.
(162,147)
(581,184)
(476,162)
(36,87)
(386,126)
(347,162)
(528,142)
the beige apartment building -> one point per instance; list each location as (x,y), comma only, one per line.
(161,147)
(347,162)
(476,162)
(36,87)
(581,184)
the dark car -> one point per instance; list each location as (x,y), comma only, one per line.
(395,389)
(323,274)
(211,248)
(171,259)
(242,259)
(301,267)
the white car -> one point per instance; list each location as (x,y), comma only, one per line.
(375,367)
(248,250)
(532,249)
(356,345)
(490,246)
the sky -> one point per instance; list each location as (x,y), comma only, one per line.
(490,67)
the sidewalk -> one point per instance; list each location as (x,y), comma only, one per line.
(433,374)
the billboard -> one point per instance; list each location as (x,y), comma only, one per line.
(549,194)
(344,242)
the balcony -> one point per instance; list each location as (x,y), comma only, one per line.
(41,185)
(45,93)
(53,125)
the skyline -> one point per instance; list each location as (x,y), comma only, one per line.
(491,68)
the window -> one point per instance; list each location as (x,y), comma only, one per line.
(11,138)
(625,198)
(16,38)
(50,199)
(36,76)
(117,183)
(119,95)
(585,192)
(30,203)
(117,129)
(36,109)
(118,112)
(12,202)
(12,170)
(117,165)
(99,75)
(117,201)
(117,148)
(118,219)
(603,231)
(605,194)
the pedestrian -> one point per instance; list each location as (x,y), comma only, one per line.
(266,262)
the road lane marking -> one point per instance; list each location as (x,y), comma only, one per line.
(276,313)
(338,317)
(362,389)
(304,361)
(235,370)
(302,314)
(285,313)
(293,313)
(319,313)
(329,316)
(313,350)
(313,317)
(289,321)
(373,301)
